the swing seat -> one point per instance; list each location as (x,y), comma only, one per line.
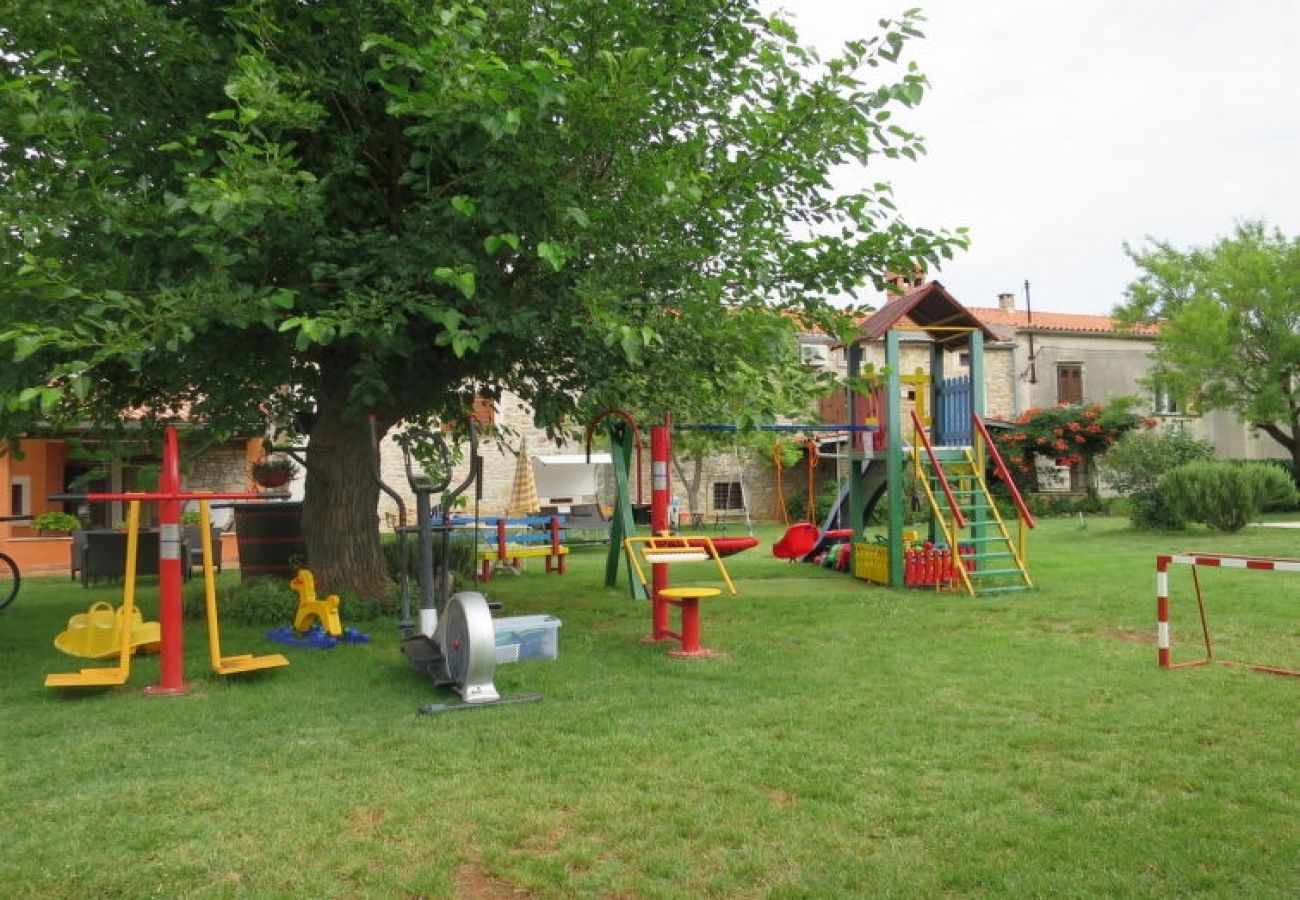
(797,542)
(725,546)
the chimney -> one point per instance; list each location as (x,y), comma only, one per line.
(1007,302)
(898,284)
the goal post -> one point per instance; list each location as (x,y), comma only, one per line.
(1214,560)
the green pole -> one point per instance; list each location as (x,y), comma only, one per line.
(621,446)
(894,457)
(857,493)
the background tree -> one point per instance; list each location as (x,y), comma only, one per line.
(343,207)
(1229,318)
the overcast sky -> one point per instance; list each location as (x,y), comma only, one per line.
(1060,129)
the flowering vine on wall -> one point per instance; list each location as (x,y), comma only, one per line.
(1071,435)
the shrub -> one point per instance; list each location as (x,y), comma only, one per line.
(272,602)
(258,601)
(1281,493)
(1223,495)
(1134,466)
(56,521)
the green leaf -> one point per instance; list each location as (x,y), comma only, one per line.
(462,279)
(464,205)
(554,254)
(24,346)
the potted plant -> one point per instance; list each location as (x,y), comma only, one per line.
(55,523)
(274,471)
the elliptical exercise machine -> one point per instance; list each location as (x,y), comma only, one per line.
(454,639)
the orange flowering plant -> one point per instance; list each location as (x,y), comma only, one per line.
(1069,435)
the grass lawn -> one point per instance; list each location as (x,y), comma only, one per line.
(848,741)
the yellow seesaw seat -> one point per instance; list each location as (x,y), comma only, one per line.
(96,633)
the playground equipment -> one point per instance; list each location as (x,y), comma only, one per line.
(224,665)
(317,624)
(663,551)
(97,633)
(325,612)
(506,549)
(948,452)
(1216,560)
(624,441)
(107,676)
(169,498)
(455,641)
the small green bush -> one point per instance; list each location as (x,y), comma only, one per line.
(56,521)
(1151,511)
(271,602)
(1281,494)
(1133,469)
(1223,495)
(258,601)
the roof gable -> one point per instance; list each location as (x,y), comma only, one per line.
(931,309)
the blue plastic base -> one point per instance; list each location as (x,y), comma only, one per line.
(315,638)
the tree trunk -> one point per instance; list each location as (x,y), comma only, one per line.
(1291,442)
(692,485)
(339,520)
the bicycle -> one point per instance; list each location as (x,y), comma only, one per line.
(10,578)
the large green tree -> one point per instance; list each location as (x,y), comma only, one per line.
(1229,317)
(345,207)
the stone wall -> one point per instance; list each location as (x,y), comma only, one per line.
(499,455)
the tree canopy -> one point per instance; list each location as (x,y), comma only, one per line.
(1229,317)
(347,207)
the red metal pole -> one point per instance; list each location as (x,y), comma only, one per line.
(172,662)
(1162,611)
(660,456)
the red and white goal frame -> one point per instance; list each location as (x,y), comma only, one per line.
(1216,560)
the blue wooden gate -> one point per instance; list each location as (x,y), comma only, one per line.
(952,408)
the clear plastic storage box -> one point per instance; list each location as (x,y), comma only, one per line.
(535,637)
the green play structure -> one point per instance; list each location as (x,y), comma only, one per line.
(948,455)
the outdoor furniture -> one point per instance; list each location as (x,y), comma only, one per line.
(77,558)
(193,537)
(102,554)
(586,516)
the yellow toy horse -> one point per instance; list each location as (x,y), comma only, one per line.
(324,611)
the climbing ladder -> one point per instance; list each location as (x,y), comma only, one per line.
(990,559)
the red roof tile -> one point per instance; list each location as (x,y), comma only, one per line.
(1050,321)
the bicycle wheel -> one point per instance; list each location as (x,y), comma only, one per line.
(9,580)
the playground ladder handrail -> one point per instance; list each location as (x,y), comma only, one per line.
(1003,472)
(924,441)
(1020,549)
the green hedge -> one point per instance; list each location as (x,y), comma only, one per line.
(1226,496)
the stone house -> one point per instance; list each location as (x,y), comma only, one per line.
(1056,358)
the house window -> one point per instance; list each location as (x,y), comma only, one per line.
(20,496)
(1166,403)
(963,360)
(1069,383)
(728,495)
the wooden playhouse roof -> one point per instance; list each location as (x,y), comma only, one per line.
(929,308)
